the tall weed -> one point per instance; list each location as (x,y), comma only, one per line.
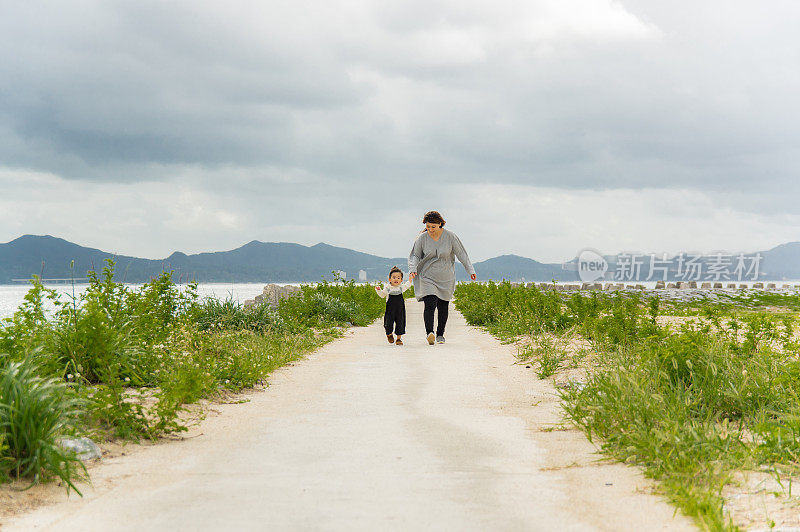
(35,413)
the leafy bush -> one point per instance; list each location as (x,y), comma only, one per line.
(28,327)
(111,409)
(92,334)
(159,307)
(331,304)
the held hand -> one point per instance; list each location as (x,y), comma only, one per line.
(473,276)
(411,276)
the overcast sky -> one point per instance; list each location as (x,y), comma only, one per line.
(535,127)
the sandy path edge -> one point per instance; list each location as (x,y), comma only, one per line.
(363,434)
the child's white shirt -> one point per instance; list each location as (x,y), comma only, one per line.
(389,290)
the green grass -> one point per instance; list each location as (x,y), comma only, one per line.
(690,405)
(738,303)
(546,354)
(759,298)
(216,315)
(35,412)
(123,363)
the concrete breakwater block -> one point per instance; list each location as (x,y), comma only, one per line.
(550,286)
(681,291)
(272,295)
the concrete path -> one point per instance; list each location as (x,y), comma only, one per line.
(364,435)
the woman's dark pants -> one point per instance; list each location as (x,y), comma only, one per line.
(433,303)
(395,316)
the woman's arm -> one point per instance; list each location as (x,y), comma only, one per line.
(414,257)
(463,258)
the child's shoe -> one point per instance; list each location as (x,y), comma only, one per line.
(390,337)
(431,338)
(398,342)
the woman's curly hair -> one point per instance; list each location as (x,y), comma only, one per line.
(433,217)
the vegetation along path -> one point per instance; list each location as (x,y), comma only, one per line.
(363,434)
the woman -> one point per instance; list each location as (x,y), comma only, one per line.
(431,265)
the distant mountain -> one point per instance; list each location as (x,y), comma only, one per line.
(516,268)
(254,262)
(287,262)
(280,262)
(51,257)
(782,262)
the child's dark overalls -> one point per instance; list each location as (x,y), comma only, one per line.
(395,314)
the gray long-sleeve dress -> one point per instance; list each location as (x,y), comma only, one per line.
(434,263)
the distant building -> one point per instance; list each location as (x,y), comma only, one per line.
(362,276)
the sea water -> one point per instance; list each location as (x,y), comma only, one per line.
(12,296)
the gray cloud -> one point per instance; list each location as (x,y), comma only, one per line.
(119,83)
(485,93)
(314,110)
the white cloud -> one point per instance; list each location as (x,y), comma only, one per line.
(545,223)
(552,225)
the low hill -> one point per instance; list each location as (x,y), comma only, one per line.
(516,268)
(782,262)
(281,262)
(256,261)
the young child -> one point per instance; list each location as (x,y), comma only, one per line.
(395,316)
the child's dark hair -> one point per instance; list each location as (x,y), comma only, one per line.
(396,269)
(433,217)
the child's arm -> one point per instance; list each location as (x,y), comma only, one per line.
(405,286)
(383,293)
